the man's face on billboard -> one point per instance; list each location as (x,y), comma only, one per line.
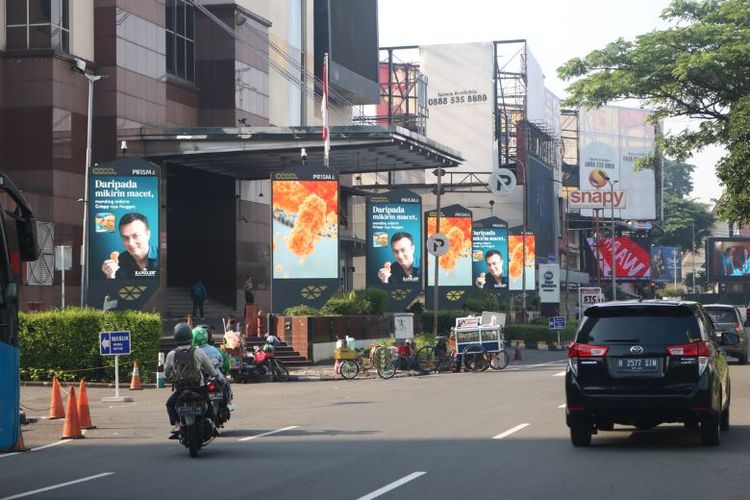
(135,237)
(403,251)
(495,265)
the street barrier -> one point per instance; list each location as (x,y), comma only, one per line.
(56,409)
(135,381)
(72,425)
(83,407)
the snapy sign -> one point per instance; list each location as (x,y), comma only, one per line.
(114,343)
(598,198)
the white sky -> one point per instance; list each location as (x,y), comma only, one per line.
(555,30)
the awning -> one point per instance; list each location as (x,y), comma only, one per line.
(252,153)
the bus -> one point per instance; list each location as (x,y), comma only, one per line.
(14,211)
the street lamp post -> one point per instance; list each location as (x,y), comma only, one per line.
(80,66)
(692,259)
(612,250)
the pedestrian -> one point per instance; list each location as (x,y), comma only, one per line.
(249,296)
(198,295)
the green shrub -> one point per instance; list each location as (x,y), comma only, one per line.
(349,304)
(378,299)
(301,310)
(481,300)
(66,343)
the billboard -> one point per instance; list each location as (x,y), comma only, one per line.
(666,262)
(632,259)
(549,283)
(728,259)
(521,277)
(460,100)
(455,267)
(123,229)
(304,236)
(541,218)
(489,255)
(394,245)
(611,140)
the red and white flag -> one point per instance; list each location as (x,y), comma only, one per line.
(324,112)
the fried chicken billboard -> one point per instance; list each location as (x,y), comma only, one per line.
(454,268)
(304,229)
(394,245)
(516,268)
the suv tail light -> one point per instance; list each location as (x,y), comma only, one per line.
(577,350)
(701,350)
(738,328)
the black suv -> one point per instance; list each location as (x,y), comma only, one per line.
(643,363)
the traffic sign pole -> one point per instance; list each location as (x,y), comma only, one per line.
(114,344)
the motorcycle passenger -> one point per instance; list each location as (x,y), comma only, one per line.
(183,375)
(200,340)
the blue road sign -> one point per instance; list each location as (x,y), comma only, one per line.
(557,322)
(114,343)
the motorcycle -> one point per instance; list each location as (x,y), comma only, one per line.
(197,428)
(221,411)
(263,361)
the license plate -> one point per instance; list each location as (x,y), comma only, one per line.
(637,366)
(189,410)
(215,396)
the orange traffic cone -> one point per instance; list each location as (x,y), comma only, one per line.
(135,382)
(19,443)
(83,407)
(72,426)
(56,409)
(517,356)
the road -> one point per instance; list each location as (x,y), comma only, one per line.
(486,435)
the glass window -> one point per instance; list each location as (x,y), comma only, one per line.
(38,24)
(15,12)
(16,37)
(170,53)
(180,39)
(169,17)
(180,61)
(668,326)
(40,11)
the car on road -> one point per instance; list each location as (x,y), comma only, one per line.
(644,363)
(728,318)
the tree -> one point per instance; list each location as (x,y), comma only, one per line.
(701,281)
(679,216)
(678,178)
(698,68)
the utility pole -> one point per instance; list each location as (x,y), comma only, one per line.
(692,259)
(614,240)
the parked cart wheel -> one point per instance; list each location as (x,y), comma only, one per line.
(499,360)
(383,361)
(474,358)
(349,369)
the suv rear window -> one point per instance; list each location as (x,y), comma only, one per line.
(663,325)
(722,315)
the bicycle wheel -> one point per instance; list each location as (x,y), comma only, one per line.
(474,358)
(426,360)
(349,369)
(384,362)
(279,372)
(500,360)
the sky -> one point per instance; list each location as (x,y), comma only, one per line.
(555,31)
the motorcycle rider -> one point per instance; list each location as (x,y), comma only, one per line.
(200,340)
(183,337)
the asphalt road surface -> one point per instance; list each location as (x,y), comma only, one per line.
(486,435)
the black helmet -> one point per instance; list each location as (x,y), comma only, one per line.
(183,334)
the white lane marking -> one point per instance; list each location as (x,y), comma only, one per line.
(392,486)
(56,486)
(511,431)
(558,362)
(559,374)
(36,449)
(562,405)
(266,433)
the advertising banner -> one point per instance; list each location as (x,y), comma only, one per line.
(541,209)
(490,255)
(460,100)
(516,268)
(549,283)
(728,259)
(611,140)
(455,267)
(631,259)
(666,262)
(304,230)
(599,199)
(123,227)
(394,246)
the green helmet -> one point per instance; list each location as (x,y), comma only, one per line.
(200,336)
(183,334)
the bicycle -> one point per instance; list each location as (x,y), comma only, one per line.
(350,368)
(435,358)
(383,361)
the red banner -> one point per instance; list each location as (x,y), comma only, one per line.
(631,259)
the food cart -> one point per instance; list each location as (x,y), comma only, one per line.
(481,346)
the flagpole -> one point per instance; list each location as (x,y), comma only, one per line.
(324,113)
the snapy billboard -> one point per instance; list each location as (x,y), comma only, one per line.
(123,227)
(304,236)
(394,246)
(666,262)
(490,255)
(728,259)
(455,267)
(518,245)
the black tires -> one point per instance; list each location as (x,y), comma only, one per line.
(724,422)
(383,361)
(580,430)
(279,372)
(742,358)
(194,438)
(475,358)
(499,360)
(426,360)
(710,430)
(349,369)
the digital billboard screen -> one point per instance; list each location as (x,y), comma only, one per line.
(728,259)
(666,262)
(455,267)
(490,255)
(516,267)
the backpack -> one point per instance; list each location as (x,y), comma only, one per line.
(198,292)
(186,373)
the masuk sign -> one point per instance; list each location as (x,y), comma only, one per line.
(597,198)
